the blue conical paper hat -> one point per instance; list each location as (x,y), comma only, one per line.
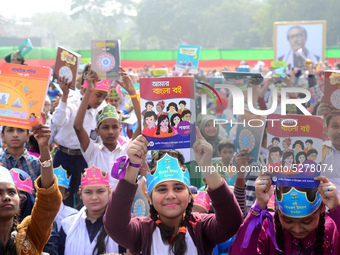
(167,169)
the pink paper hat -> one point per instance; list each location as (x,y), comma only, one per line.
(94,177)
(102,85)
(25,185)
(202,199)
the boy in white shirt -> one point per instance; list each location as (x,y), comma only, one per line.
(103,155)
(68,154)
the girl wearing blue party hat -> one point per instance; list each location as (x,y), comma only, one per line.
(301,225)
(172,228)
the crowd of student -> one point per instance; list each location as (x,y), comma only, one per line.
(59,196)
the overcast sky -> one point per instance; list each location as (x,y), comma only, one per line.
(23,8)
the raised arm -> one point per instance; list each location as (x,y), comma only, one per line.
(78,126)
(203,155)
(48,199)
(60,116)
(228,216)
(42,134)
(118,223)
(128,86)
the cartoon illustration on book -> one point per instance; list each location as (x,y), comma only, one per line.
(285,145)
(159,108)
(298,166)
(182,105)
(22,93)
(171,109)
(150,118)
(163,127)
(167,128)
(186,115)
(148,108)
(174,121)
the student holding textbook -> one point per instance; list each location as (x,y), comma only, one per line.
(172,227)
(301,225)
(68,154)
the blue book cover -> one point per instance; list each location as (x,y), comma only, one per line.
(188,57)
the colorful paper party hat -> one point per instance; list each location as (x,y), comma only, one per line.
(61,174)
(25,185)
(202,199)
(94,177)
(167,169)
(108,112)
(295,203)
(101,85)
(113,93)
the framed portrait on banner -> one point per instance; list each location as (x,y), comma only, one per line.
(297,41)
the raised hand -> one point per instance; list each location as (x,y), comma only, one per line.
(324,109)
(138,150)
(203,150)
(42,134)
(264,190)
(328,193)
(64,85)
(92,79)
(126,82)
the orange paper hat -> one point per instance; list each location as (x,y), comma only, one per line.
(93,177)
(202,199)
(101,85)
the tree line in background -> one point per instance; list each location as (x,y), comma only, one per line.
(153,24)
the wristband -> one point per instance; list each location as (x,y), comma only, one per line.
(135,165)
(118,171)
(135,96)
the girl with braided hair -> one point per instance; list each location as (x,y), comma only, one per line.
(300,225)
(172,227)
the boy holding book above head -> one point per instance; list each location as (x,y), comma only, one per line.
(103,155)
(68,154)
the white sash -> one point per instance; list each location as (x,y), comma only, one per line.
(77,237)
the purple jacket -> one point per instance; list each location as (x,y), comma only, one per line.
(260,243)
(206,230)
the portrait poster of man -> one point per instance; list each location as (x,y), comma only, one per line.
(294,42)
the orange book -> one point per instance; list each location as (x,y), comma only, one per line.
(22,94)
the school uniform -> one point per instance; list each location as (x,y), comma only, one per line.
(68,154)
(64,212)
(78,235)
(98,155)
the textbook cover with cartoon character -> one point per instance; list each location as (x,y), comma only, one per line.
(332,89)
(294,147)
(168,112)
(188,57)
(66,66)
(23,91)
